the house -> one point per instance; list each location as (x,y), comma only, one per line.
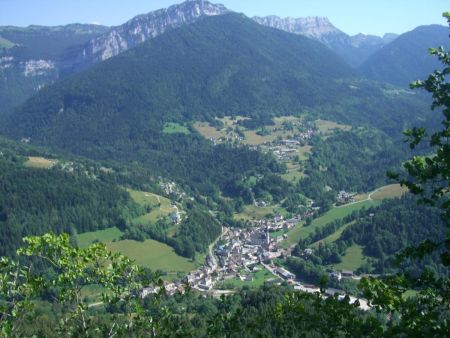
(261,204)
(284,273)
(308,252)
(170,288)
(175,217)
(345,197)
(149,291)
(278,218)
(205,284)
(290,142)
(336,275)
(347,274)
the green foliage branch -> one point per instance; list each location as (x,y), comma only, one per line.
(71,269)
(428,313)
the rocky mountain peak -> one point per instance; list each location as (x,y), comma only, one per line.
(143,27)
(313,26)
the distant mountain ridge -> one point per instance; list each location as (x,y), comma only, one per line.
(30,58)
(316,27)
(221,65)
(353,49)
(35,56)
(406,59)
(144,27)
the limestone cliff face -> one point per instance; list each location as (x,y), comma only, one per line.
(318,28)
(147,26)
(353,49)
(37,56)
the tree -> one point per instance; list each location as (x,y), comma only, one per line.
(428,313)
(68,271)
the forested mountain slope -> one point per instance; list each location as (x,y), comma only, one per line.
(222,65)
(35,201)
(354,50)
(35,56)
(219,65)
(406,59)
(30,59)
(137,30)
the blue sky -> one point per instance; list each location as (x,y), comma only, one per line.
(351,16)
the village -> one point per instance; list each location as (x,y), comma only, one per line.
(241,252)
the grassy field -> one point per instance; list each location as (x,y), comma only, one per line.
(293,175)
(389,191)
(253,139)
(207,131)
(251,136)
(6,44)
(175,128)
(300,231)
(150,254)
(333,237)
(104,236)
(39,162)
(252,212)
(304,152)
(281,119)
(361,197)
(146,198)
(295,170)
(160,205)
(352,259)
(229,121)
(326,127)
(259,278)
(153,255)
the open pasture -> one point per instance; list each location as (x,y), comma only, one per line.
(39,162)
(389,191)
(153,255)
(104,236)
(327,127)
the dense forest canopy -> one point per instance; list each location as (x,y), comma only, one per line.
(34,202)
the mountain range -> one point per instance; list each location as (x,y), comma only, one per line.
(173,125)
(30,58)
(406,59)
(33,57)
(220,65)
(352,49)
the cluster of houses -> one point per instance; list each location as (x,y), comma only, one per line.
(226,139)
(171,189)
(344,197)
(338,275)
(285,149)
(201,279)
(170,288)
(240,254)
(247,248)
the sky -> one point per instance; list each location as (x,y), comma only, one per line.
(351,16)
